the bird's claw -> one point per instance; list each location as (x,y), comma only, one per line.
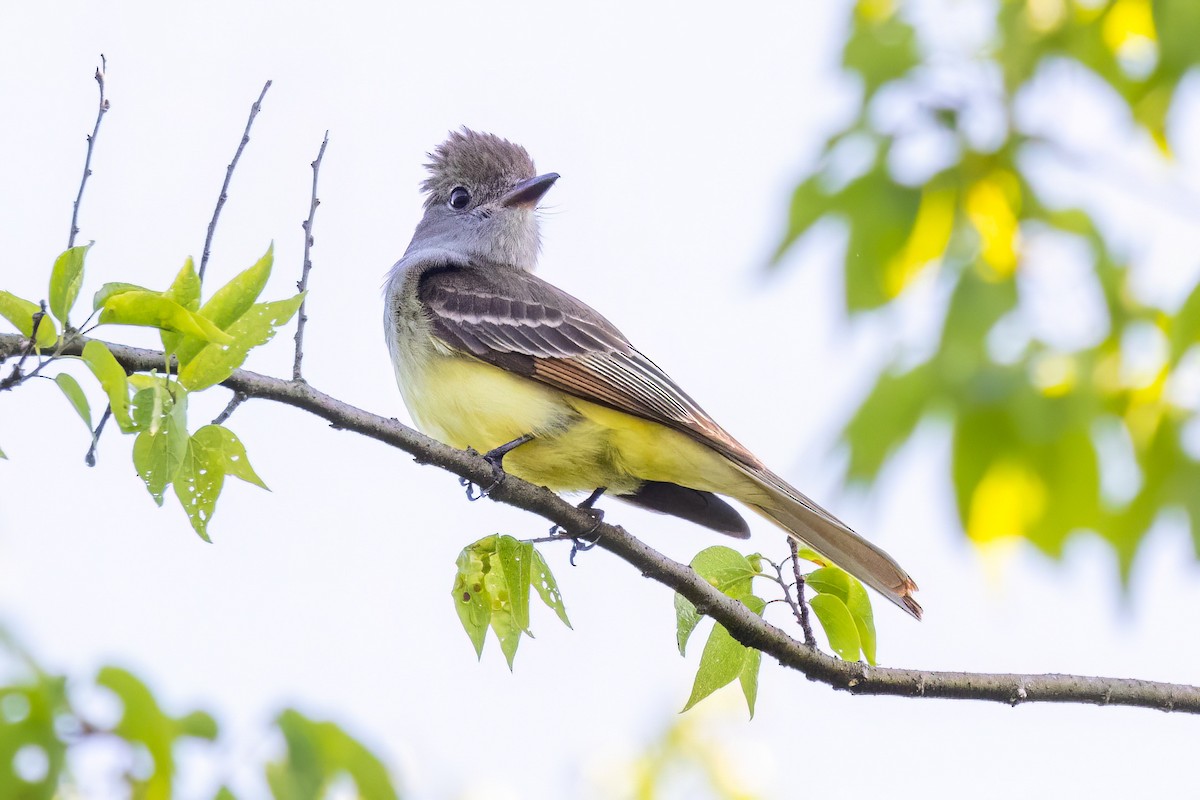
(498,475)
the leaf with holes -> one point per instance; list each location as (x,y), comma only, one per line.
(471,598)
(547,587)
(198,484)
(233,453)
(158,456)
(216,362)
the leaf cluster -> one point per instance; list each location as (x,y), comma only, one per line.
(1036,425)
(202,346)
(42,724)
(840,603)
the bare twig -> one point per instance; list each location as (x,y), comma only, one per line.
(302,284)
(212,225)
(90,458)
(91,143)
(235,401)
(802,612)
(796,605)
(743,624)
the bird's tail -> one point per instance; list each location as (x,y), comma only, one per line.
(807,522)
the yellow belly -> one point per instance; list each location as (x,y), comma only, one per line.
(578,445)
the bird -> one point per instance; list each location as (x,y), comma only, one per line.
(488,356)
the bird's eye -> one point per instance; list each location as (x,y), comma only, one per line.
(459,198)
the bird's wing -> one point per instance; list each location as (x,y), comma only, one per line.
(518,322)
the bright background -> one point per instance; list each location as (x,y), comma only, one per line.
(679,132)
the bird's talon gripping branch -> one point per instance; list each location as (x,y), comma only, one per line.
(495,458)
(580,543)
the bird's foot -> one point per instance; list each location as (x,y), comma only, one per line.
(495,458)
(581,543)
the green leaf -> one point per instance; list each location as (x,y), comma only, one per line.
(257,326)
(687,617)
(808,554)
(32,709)
(838,583)
(810,203)
(886,419)
(233,453)
(838,624)
(212,453)
(112,379)
(880,49)
(720,664)
(830,580)
(144,722)
(152,310)
(70,387)
(20,313)
(748,677)
(859,606)
(229,303)
(148,406)
(198,484)
(184,290)
(881,214)
(503,623)
(1176,23)
(2,456)
(491,589)
(726,569)
(547,587)
(111,290)
(158,456)
(199,725)
(516,560)
(318,755)
(65,279)
(1185,327)
(471,598)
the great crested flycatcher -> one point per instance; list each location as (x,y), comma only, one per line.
(490,356)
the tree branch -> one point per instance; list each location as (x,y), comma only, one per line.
(745,626)
(302,284)
(91,141)
(221,198)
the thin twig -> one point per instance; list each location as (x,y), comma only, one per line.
(743,624)
(212,225)
(90,458)
(302,284)
(235,401)
(797,608)
(91,143)
(802,612)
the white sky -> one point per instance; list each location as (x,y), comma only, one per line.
(679,131)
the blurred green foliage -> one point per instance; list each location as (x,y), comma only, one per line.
(1036,425)
(43,725)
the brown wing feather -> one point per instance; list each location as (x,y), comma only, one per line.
(517,321)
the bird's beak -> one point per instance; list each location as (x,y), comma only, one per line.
(527,193)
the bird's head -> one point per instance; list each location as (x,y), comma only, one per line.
(482,192)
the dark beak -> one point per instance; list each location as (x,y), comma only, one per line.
(528,193)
